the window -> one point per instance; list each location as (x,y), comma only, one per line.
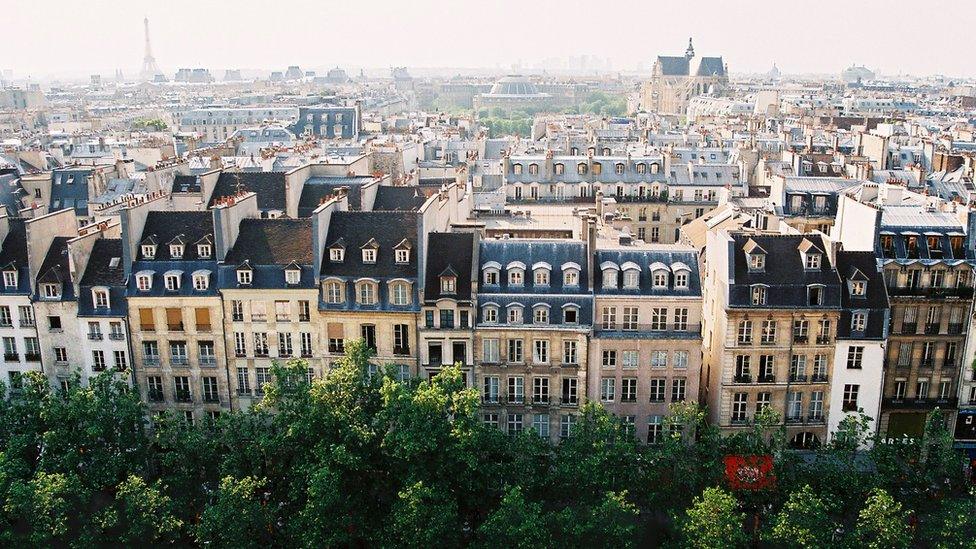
(490,314)
(768,335)
(401,339)
(260,344)
(540,315)
(144,282)
(858,322)
(570,315)
(540,351)
(515,277)
(659,359)
(204,251)
(401,294)
(292,276)
(51,291)
(369,255)
(448,284)
(491,277)
(812,261)
(514,423)
(630,359)
(368,333)
(306,343)
(285,348)
(678,389)
(5,317)
(657,388)
(490,393)
(794,405)
(155,388)
(681,319)
(491,351)
(333,292)
(628,389)
(148,251)
(609,318)
(570,277)
(515,315)
(608,387)
(757,262)
(631,279)
(540,390)
(201,281)
(758,295)
(855,354)
(337,255)
(402,256)
(150,353)
(244,276)
(630,318)
(570,352)
(60,354)
(98,361)
(850,397)
(815,295)
(660,279)
(858,288)
(610,278)
(262,377)
(570,393)
(681,280)
(745,332)
(609,359)
(26,313)
(491,419)
(176,251)
(541,277)
(655,428)
(680,359)
(763,400)
(516,389)
(515,354)
(740,401)
(366,293)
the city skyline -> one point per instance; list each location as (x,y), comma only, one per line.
(435,34)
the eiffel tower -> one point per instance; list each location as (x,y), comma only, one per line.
(149,68)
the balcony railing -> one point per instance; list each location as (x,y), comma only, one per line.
(815,418)
(32,357)
(243,392)
(211,398)
(743,378)
(11,357)
(932,329)
(179,361)
(848,406)
(151,360)
(175,327)
(208,360)
(767,379)
(920,402)
(401,351)
(932,293)
(27,323)
(155,396)
(116,336)
(798,378)
(739,420)
(569,401)
(955,329)
(94,336)
(823,340)
(794,419)
(182,396)
(909,328)
(818,378)
(800,339)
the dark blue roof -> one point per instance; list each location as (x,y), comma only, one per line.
(69,189)
(529,252)
(644,259)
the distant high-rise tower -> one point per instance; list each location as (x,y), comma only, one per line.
(149,68)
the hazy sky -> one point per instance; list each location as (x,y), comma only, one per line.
(41,38)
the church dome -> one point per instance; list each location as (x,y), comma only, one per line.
(514,85)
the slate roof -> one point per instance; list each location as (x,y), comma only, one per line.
(164,226)
(55,269)
(449,252)
(857,266)
(269,186)
(12,194)
(69,189)
(784,273)
(14,252)
(673,65)
(398,198)
(318,188)
(710,66)
(100,271)
(644,259)
(273,242)
(355,229)
(186,184)
(529,252)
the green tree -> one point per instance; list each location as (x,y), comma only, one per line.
(609,522)
(142,515)
(882,524)
(804,521)
(517,523)
(713,521)
(44,509)
(237,517)
(953,524)
(424,516)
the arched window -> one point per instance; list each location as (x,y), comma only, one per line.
(540,314)
(366,293)
(618,168)
(533,169)
(489,314)
(514,314)
(641,168)
(334,292)
(655,167)
(399,293)
(559,169)
(581,168)
(597,168)
(517,169)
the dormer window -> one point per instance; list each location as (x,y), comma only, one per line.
(812,262)
(489,314)
(201,281)
(100,298)
(204,251)
(631,276)
(859,288)
(176,251)
(366,293)
(337,255)
(571,277)
(758,295)
(144,281)
(570,314)
(609,276)
(540,315)
(51,291)
(448,284)
(402,257)
(400,293)
(815,294)
(172,281)
(292,276)
(660,279)
(757,262)
(859,321)
(515,315)
(491,277)
(541,277)
(245,276)
(334,292)
(681,280)
(148,251)
(515,277)
(369,255)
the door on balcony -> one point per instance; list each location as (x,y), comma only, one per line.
(435,356)
(459,352)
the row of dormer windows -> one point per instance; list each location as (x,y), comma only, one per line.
(541,274)
(176,251)
(582,168)
(541,314)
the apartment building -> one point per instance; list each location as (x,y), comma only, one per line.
(269,297)
(18,327)
(103,309)
(175,316)
(535,312)
(645,351)
(446,331)
(772,305)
